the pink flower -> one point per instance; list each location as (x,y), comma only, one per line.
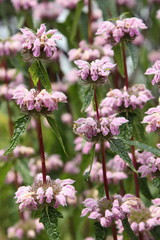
(135,97)
(70,4)
(154,70)
(42,101)
(105,211)
(47,10)
(39,45)
(24,5)
(52,192)
(90,129)
(152,120)
(127,3)
(96,71)
(151,166)
(122,28)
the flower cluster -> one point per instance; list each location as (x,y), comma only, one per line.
(143,220)
(54,193)
(127,3)
(70,4)
(28,228)
(11,46)
(154,70)
(53,163)
(47,10)
(113,175)
(152,120)
(24,5)
(92,130)
(106,211)
(150,166)
(119,99)
(39,45)
(7,75)
(88,52)
(34,101)
(96,72)
(127,28)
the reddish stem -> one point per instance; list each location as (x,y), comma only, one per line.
(125,65)
(105,180)
(96,104)
(90,38)
(134,174)
(114,231)
(41,148)
(10,123)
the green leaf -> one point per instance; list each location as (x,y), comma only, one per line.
(118,147)
(49,218)
(144,188)
(119,58)
(87,98)
(38,72)
(108,8)
(128,229)
(53,124)
(100,232)
(91,158)
(138,128)
(133,52)
(76,20)
(20,127)
(156,232)
(37,213)
(156,182)
(142,146)
(23,169)
(4,170)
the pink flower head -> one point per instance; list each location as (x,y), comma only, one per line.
(91,130)
(152,120)
(47,10)
(36,101)
(133,97)
(24,5)
(127,3)
(154,70)
(96,72)
(122,28)
(105,211)
(39,45)
(52,192)
(70,4)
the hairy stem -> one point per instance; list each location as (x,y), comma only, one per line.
(41,148)
(125,65)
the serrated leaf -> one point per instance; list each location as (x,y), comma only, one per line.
(133,52)
(37,213)
(119,58)
(141,146)
(53,124)
(76,20)
(49,218)
(87,98)
(128,229)
(23,169)
(100,232)
(156,232)
(118,147)
(4,170)
(156,182)
(20,127)
(39,73)
(144,188)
